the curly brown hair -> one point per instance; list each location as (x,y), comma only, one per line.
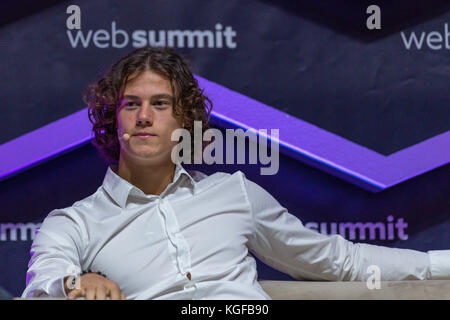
(104,96)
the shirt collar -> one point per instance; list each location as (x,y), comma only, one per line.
(119,188)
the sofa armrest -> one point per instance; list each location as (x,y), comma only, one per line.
(389,290)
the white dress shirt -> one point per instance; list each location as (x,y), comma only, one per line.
(201,227)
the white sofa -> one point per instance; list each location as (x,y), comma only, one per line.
(389,290)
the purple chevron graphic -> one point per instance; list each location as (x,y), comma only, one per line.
(298,139)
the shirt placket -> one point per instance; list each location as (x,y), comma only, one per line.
(176,239)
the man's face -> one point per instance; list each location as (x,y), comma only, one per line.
(147,108)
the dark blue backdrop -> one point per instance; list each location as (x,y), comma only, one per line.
(385,90)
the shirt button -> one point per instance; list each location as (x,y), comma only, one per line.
(189,275)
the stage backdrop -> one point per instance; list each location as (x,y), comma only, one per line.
(363,115)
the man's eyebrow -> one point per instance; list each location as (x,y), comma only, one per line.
(156,96)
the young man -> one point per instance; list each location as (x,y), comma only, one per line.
(156,231)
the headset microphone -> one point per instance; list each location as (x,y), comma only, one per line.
(124,136)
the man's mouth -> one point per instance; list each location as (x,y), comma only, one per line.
(145,136)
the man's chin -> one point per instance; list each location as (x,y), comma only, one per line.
(148,158)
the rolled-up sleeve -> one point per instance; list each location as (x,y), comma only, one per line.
(55,254)
(280,240)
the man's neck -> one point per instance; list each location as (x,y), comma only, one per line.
(151,179)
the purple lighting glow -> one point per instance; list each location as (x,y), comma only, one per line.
(298,139)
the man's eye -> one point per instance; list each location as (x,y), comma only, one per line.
(160,103)
(130,104)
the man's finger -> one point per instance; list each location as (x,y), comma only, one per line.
(90,293)
(75,294)
(115,294)
(101,293)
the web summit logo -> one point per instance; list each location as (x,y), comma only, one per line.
(18,231)
(220,37)
(389,230)
(434,40)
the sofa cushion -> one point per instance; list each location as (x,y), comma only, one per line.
(389,290)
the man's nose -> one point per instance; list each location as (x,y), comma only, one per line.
(144,117)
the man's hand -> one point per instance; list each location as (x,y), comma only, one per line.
(95,287)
